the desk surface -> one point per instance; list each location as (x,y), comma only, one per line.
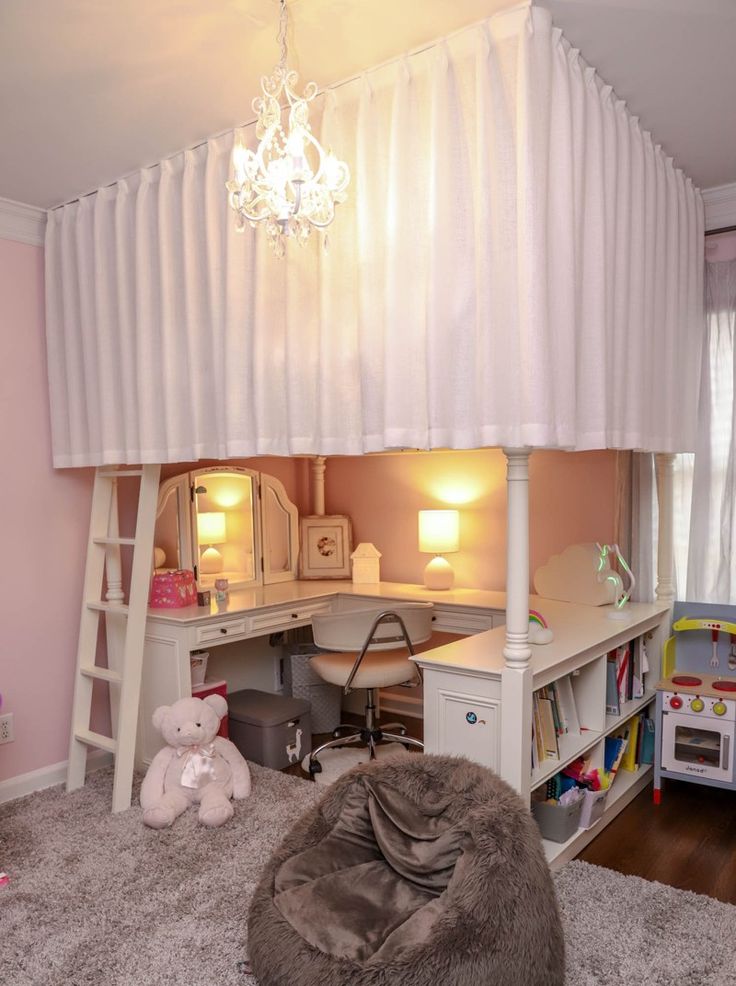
(579,631)
(261,597)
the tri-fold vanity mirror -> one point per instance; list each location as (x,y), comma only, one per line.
(234,524)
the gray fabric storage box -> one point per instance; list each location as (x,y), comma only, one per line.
(272,730)
(325,700)
(557,822)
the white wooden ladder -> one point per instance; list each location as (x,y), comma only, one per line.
(125,626)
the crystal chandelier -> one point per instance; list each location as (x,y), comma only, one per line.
(289,183)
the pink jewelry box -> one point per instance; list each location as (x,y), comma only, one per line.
(173,590)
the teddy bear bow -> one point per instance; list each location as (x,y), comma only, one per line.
(199,767)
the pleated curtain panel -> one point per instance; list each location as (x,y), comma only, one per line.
(518,263)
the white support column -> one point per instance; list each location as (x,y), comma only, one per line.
(665,469)
(516,678)
(318,485)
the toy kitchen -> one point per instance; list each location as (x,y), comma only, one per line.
(696,699)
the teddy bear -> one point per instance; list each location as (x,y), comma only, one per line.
(197,766)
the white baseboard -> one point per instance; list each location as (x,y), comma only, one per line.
(37,780)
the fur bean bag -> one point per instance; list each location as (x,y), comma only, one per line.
(411,871)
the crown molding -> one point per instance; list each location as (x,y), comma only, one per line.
(22,223)
(720,206)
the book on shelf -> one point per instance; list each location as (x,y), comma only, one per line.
(614,749)
(629,760)
(613,706)
(567,708)
(549,733)
(639,667)
(646,740)
(626,668)
(554,714)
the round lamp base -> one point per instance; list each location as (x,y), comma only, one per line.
(439,574)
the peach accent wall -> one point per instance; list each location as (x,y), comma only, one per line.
(571,499)
(45,517)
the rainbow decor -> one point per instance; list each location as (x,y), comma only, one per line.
(536,617)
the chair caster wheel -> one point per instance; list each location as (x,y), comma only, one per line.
(336,734)
(315,767)
(402,731)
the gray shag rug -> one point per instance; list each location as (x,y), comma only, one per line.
(96,899)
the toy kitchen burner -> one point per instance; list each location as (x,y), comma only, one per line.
(696,708)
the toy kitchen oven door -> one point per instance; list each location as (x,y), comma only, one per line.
(696,699)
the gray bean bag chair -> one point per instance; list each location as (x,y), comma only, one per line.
(413,870)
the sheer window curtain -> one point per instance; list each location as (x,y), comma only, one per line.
(705,483)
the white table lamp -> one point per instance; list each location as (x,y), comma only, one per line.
(211,530)
(439,534)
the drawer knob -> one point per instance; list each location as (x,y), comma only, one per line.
(295,616)
(223,629)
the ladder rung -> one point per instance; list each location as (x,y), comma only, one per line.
(89,738)
(109,607)
(102,674)
(114,540)
(116,473)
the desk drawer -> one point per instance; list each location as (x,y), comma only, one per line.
(453,619)
(286,616)
(220,631)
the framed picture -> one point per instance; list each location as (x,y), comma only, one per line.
(325,546)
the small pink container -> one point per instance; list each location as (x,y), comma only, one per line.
(173,590)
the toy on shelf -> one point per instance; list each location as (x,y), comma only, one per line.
(539,631)
(607,574)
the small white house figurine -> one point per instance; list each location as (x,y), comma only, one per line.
(366,564)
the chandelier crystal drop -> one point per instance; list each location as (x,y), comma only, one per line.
(289,183)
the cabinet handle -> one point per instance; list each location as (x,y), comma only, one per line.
(295,616)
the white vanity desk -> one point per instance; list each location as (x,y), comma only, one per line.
(463,680)
(248,614)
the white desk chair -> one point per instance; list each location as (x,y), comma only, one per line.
(372,634)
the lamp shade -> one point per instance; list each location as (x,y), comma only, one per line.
(211,528)
(439,531)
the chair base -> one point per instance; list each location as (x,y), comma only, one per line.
(368,737)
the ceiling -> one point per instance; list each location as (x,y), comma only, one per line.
(100,89)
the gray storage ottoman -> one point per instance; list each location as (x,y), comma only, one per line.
(270,729)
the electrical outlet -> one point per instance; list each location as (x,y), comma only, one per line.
(6,728)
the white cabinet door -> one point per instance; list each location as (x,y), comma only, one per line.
(462,716)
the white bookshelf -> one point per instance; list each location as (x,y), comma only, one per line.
(469,675)
(626,786)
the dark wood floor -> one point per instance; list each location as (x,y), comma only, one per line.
(688,842)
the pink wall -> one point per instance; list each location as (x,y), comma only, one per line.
(45,517)
(572,499)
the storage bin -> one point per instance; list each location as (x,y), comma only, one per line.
(213,688)
(557,822)
(198,666)
(594,804)
(325,700)
(272,730)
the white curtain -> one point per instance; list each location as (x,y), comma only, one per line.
(518,263)
(706,482)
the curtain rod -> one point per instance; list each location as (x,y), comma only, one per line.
(723,229)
